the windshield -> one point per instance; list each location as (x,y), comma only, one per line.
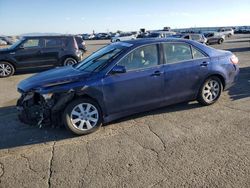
(98,60)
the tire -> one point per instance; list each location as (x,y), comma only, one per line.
(82,51)
(117,40)
(69,61)
(6,69)
(82,116)
(220,41)
(210,91)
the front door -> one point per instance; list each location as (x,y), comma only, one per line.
(140,87)
(29,55)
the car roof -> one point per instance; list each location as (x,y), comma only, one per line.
(143,41)
(50,36)
(140,42)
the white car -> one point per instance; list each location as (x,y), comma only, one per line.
(2,42)
(226,31)
(123,37)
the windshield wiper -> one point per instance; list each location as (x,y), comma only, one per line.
(106,62)
(95,60)
(98,57)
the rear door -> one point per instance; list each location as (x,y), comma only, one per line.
(185,69)
(53,47)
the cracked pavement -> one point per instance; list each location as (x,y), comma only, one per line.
(183,145)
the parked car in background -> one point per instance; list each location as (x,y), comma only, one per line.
(165,34)
(7,40)
(226,31)
(159,34)
(125,78)
(88,36)
(85,36)
(196,37)
(123,37)
(81,44)
(191,36)
(153,35)
(39,52)
(2,42)
(102,36)
(143,35)
(215,37)
(243,29)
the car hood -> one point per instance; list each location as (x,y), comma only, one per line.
(53,77)
(4,50)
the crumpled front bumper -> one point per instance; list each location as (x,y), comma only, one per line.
(34,109)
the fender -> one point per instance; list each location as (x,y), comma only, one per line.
(10,61)
(95,94)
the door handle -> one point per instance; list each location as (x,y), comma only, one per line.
(204,64)
(156,73)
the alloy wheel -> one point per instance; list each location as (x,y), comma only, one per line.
(69,61)
(5,70)
(84,116)
(211,90)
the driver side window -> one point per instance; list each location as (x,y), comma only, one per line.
(31,43)
(141,58)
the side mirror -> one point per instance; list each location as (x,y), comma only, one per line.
(21,47)
(118,69)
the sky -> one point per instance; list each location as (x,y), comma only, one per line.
(84,16)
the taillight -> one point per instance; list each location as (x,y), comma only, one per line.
(234,59)
(75,43)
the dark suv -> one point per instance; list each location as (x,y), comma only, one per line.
(39,52)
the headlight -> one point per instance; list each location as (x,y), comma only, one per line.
(28,96)
(47,96)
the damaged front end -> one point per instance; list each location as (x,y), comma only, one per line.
(42,109)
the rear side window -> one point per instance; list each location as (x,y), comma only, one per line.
(195,37)
(177,52)
(54,42)
(197,54)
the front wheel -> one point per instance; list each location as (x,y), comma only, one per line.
(210,91)
(6,69)
(82,116)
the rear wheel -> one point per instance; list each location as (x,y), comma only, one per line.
(82,116)
(69,61)
(117,40)
(6,69)
(210,91)
(220,41)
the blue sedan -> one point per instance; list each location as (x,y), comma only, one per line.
(125,78)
